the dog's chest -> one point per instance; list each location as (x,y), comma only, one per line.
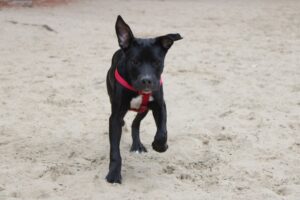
(136,102)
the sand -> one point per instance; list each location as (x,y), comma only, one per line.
(232,88)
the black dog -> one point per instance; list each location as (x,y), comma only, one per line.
(134,82)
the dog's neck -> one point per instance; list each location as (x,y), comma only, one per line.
(121,67)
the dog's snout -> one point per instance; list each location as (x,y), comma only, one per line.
(146,81)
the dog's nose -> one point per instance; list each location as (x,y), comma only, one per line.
(146,81)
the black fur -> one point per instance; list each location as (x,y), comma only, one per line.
(140,62)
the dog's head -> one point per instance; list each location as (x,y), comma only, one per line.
(144,58)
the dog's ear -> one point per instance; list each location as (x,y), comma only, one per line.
(124,33)
(167,41)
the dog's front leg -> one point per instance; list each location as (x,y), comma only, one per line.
(160,116)
(115,130)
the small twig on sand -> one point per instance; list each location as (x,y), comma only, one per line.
(44,26)
(48,28)
(11,21)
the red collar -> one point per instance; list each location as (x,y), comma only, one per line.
(123,82)
(146,96)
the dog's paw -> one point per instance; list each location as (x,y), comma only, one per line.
(114,177)
(138,148)
(159,146)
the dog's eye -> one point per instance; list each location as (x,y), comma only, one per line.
(134,62)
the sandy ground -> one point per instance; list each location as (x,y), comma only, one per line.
(232,90)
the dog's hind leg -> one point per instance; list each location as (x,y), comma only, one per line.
(137,145)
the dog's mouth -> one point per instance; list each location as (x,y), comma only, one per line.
(147,90)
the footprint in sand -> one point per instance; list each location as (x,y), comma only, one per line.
(169,170)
